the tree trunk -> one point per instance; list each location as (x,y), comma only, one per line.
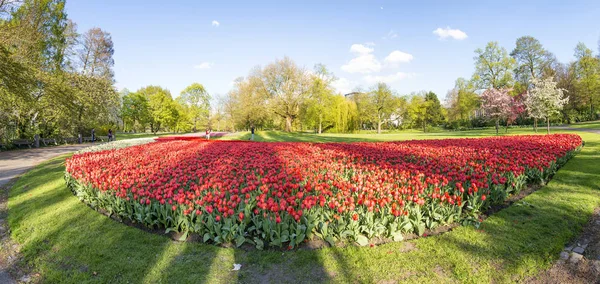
(288,124)
(535,124)
(320,124)
(379,126)
(497,125)
(424,126)
(548,125)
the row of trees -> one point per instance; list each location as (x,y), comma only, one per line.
(516,73)
(502,90)
(285,96)
(153,107)
(55,81)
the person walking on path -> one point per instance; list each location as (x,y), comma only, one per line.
(252,130)
(93,135)
(110,135)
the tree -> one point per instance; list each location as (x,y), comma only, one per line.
(384,103)
(286,87)
(93,98)
(531,59)
(435,113)
(135,111)
(417,110)
(493,67)
(198,101)
(496,104)
(364,108)
(96,54)
(321,93)
(587,72)
(545,100)
(517,108)
(161,109)
(247,103)
(463,101)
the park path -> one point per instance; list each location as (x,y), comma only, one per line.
(597,131)
(13,164)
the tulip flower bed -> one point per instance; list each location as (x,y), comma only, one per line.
(276,194)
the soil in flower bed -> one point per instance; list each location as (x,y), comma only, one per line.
(283,194)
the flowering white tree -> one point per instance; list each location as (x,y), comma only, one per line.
(497,105)
(545,100)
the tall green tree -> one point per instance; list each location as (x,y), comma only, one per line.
(161,108)
(286,86)
(493,67)
(587,71)
(135,111)
(417,111)
(531,59)
(197,99)
(463,101)
(321,94)
(384,103)
(434,113)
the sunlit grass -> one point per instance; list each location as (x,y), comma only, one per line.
(66,241)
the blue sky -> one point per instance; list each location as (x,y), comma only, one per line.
(361,42)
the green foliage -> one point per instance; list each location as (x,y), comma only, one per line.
(493,67)
(41,93)
(196,101)
(587,71)
(531,59)
(434,114)
(162,110)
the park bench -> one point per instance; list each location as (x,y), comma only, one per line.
(47,141)
(102,138)
(71,140)
(88,139)
(21,142)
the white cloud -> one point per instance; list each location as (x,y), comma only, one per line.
(398,56)
(215,23)
(388,78)
(360,49)
(364,62)
(390,35)
(204,65)
(444,33)
(343,85)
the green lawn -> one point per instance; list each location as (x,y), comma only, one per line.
(66,241)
